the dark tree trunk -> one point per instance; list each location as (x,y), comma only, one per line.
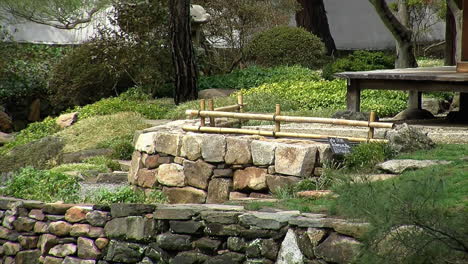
(450,39)
(455,8)
(182,52)
(313,18)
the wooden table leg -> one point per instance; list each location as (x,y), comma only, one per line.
(463,103)
(414,100)
(353,96)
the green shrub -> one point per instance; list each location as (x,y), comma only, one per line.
(286,46)
(122,147)
(254,76)
(103,161)
(359,61)
(367,155)
(126,195)
(46,186)
(330,94)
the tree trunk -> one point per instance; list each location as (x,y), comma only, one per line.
(313,18)
(401,33)
(455,8)
(182,52)
(450,39)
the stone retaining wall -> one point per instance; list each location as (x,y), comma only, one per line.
(32,232)
(213,168)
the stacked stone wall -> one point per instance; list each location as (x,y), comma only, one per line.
(214,168)
(33,232)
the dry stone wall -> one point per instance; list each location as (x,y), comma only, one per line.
(212,168)
(32,232)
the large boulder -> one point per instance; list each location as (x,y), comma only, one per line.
(295,159)
(251,178)
(185,195)
(407,139)
(399,166)
(338,249)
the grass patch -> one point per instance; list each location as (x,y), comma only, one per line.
(451,152)
(103,161)
(300,204)
(126,195)
(430,62)
(91,132)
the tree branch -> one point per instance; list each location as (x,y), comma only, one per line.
(398,30)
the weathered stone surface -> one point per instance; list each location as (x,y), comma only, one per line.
(71,260)
(146,178)
(290,252)
(87,249)
(399,166)
(115,177)
(251,178)
(238,150)
(55,217)
(97,218)
(314,194)
(169,241)
(275,182)
(28,242)
(46,242)
(302,221)
(60,228)
(79,230)
(229,257)
(8,219)
(63,250)
(173,214)
(24,224)
(408,139)
(198,173)
(145,143)
(295,160)
(11,248)
(101,242)
(237,196)
(263,152)
(132,227)
(171,175)
(222,173)
(52,260)
(220,217)
(273,221)
(156,253)
(352,229)
(338,249)
(185,195)
(253,249)
(36,214)
(325,154)
(215,229)
(151,161)
(218,190)
(237,244)
(315,235)
(213,148)
(191,147)
(9,260)
(206,244)
(76,214)
(135,166)
(186,227)
(168,143)
(28,257)
(95,231)
(305,244)
(124,252)
(66,120)
(128,209)
(56,208)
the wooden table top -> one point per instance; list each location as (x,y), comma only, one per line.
(437,74)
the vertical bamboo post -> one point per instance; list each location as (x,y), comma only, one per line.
(370,134)
(211,108)
(202,108)
(277,113)
(240,103)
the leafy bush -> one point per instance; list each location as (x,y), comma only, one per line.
(254,76)
(331,94)
(286,46)
(367,155)
(103,161)
(122,147)
(42,185)
(126,195)
(359,61)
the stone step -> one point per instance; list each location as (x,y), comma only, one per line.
(125,164)
(115,177)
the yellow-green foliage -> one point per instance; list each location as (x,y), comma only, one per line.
(331,94)
(91,132)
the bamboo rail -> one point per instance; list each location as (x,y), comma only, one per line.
(225,130)
(295,119)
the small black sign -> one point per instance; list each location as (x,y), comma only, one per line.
(339,146)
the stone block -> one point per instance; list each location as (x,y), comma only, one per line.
(171,175)
(24,224)
(237,244)
(177,242)
(28,242)
(76,214)
(213,147)
(237,195)
(218,190)
(52,260)
(198,173)
(206,244)
(168,143)
(97,218)
(251,178)
(338,249)
(72,260)
(150,161)
(79,230)
(135,166)
(36,214)
(173,214)
(191,146)
(263,220)
(325,153)
(275,182)
(11,248)
(185,195)
(186,227)
(28,257)
(60,228)
(220,217)
(87,249)
(101,242)
(263,152)
(238,150)
(295,159)
(147,178)
(145,143)
(135,228)
(290,253)
(46,242)
(63,250)
(222,173)
(128,209)
(124,252)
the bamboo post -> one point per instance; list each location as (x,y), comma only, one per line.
(370,134)
(211,108)
(202,108)
(277,123)
(240,103)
